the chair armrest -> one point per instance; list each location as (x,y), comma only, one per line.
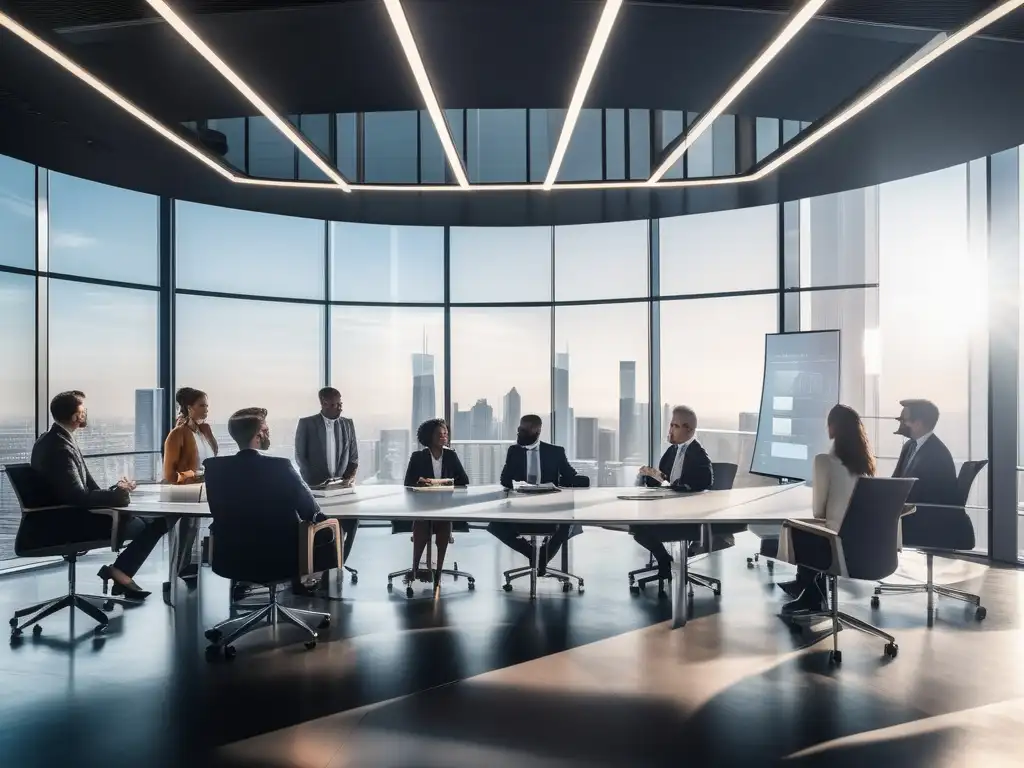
(818,529)
(307,535)
(115,526)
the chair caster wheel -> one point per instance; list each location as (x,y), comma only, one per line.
(750,562)
(579,589)
(15,632)
(891,649)
(108,605)
(37,630)
(310,645)
(325,622)
(507,587)
(771,566)
(230,652)
(875,602)
(566,586)
(390,586)
(212,653)
(472,585)
(13,623)
(634,589)
(878,590)
(98,631)
(354,579)
(835,657)
(409,592)
(980,613)
(213,635)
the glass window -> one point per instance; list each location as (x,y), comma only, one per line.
(389,147)
(233,129)
(103,341)
(838,240)
(492,388)
(348,143)
(601,261)
(388,363)
(500,264)
(700,157)
(615,144)
(601,390)
(18,383)
(17,213)
(668,126)
(733,250)
(264,354)
(375,262)
(583,156)
(639,143)
(767,136)
(545,125)
(723,141)
(497,145)
(102,231)
(235,251)
(317,130)
(271,154)
(717,373)
(433,163)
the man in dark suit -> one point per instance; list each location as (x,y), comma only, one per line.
(58,461)
(925,456)
(685,468)
(259,500)
(326,449)
(535,462)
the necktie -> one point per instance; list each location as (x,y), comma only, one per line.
(337,447)
(911,453)
(532,475)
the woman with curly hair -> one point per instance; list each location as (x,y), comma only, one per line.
(435,464)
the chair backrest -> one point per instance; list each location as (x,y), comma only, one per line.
(31,490)
(869,532)
(725,475)
(968,473)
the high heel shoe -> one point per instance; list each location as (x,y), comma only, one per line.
(130,591)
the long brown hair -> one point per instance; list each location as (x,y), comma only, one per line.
(851,440)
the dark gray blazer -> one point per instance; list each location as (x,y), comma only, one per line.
(311,450)
(59,462)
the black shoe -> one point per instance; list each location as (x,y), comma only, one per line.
(810,600)
(791,588)
(131,591)
(305,590)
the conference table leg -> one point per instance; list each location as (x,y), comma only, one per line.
(181,540)
(679,585)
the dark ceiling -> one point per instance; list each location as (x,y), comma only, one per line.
(312,57)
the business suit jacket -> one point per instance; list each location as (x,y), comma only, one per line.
(58,461)
(420,465)
(935,472)
(257,502)
(311,450)
(181,457)
(697,474)
(554,466)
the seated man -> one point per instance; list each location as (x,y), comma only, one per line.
(265,498)
(685,467)
(925,457)
(535,462)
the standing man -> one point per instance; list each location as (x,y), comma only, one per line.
(925,457)
(532,461)
(326,449)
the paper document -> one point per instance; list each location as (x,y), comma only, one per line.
(193,493)
(431,488)
(650,493)
(539,488)
(328,493)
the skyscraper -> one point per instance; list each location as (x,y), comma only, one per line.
(512,412)
(586,438)
(424,399)
(627,410)
(149,412)
(481,417)
(393,455)
(561,432)
(462,423)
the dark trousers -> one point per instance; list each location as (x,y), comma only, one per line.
(145,534)
(652,538)
(349,528)
(510,534)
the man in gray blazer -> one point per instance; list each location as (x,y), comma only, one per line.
(326,449)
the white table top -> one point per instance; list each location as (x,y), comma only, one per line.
(596,506)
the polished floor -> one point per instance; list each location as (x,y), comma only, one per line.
(486,678)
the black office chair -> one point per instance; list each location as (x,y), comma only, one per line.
(940,531)
(406,574)
(238,552)
(866,548)
(718,536)
(44,532)
(545,532)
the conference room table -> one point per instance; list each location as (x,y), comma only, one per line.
(601,507)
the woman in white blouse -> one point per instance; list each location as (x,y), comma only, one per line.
(834,477)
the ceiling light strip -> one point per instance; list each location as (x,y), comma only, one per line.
(918,61)
(757,66)
(412,55)
(286,128)
(597,44)
(56,56)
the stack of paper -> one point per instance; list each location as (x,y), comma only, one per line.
(330,492)
(183,494)
(540,488)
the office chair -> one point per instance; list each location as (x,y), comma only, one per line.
(233,557)
(44,532)
(725,476)
(866,548)
(940,530)
(533,569)
(406,574)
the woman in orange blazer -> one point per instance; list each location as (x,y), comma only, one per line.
(191,441)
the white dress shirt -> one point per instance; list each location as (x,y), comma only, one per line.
(831,489)
(437,464)
(332,446)
(533,462)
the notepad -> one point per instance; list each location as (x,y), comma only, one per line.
(648,495)
(541,488)
(330,493)
(193,493)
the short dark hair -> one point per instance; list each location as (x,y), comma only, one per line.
(327,392)
(64,405)
(924,411)
(426,430)
(245,424)
(533,420)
